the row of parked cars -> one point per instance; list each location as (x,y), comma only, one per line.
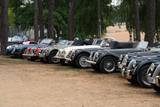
(137,63)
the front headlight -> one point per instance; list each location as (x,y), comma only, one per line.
(152,67)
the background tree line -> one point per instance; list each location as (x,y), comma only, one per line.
(79,17)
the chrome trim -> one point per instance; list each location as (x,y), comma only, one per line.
(91,62)
(157,81)
(128,75)
(149,77)
(29,55)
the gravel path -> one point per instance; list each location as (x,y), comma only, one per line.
(26,84)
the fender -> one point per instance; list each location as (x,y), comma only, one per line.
(105,55)
(141,64)
(51,52)
(77,53)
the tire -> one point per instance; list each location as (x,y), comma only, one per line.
(156,88)
(142,76)
(80,60)
(32,59)
(133,80)
(51,59)
(44,61)
(72,63)
(95,67)
(108,65)
(62,62)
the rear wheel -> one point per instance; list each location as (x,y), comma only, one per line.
(81,60)
(51,58)
(142,77)
(108,65)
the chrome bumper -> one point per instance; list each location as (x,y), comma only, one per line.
(128,74)
(58,57)
(28,55)
(68,59)
(152,80)
(123,73)
(91,62)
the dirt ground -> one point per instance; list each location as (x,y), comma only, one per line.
(28,84)
(122,34)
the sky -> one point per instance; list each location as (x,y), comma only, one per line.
(115,2)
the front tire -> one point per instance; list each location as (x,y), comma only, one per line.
(133,80)
(142,77)
(95,67)
(51,58)
(81,61)
(156,88)
(108,65)
(62,62)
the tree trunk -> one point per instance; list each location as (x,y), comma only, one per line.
(50,19)
(71,20)
(150,21)
(4,26)
(41,19)
(137,20)
(99,19)
(36,20)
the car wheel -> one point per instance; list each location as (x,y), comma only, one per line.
(95,67)
(51,58)
(44,61)
(142,76)
(81,60)
(133,80)
(62,62)
(156,88)
(108,65)
(32,59)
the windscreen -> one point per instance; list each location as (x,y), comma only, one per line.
(46,41)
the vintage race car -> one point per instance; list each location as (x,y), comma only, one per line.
(153,76)
(106,60)
(10,51)
(64,54)
(31,52)
(136,71)
(134,66)
(78,57)
(47,54)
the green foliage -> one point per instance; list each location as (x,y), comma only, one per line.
(85,15)
(11,17)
